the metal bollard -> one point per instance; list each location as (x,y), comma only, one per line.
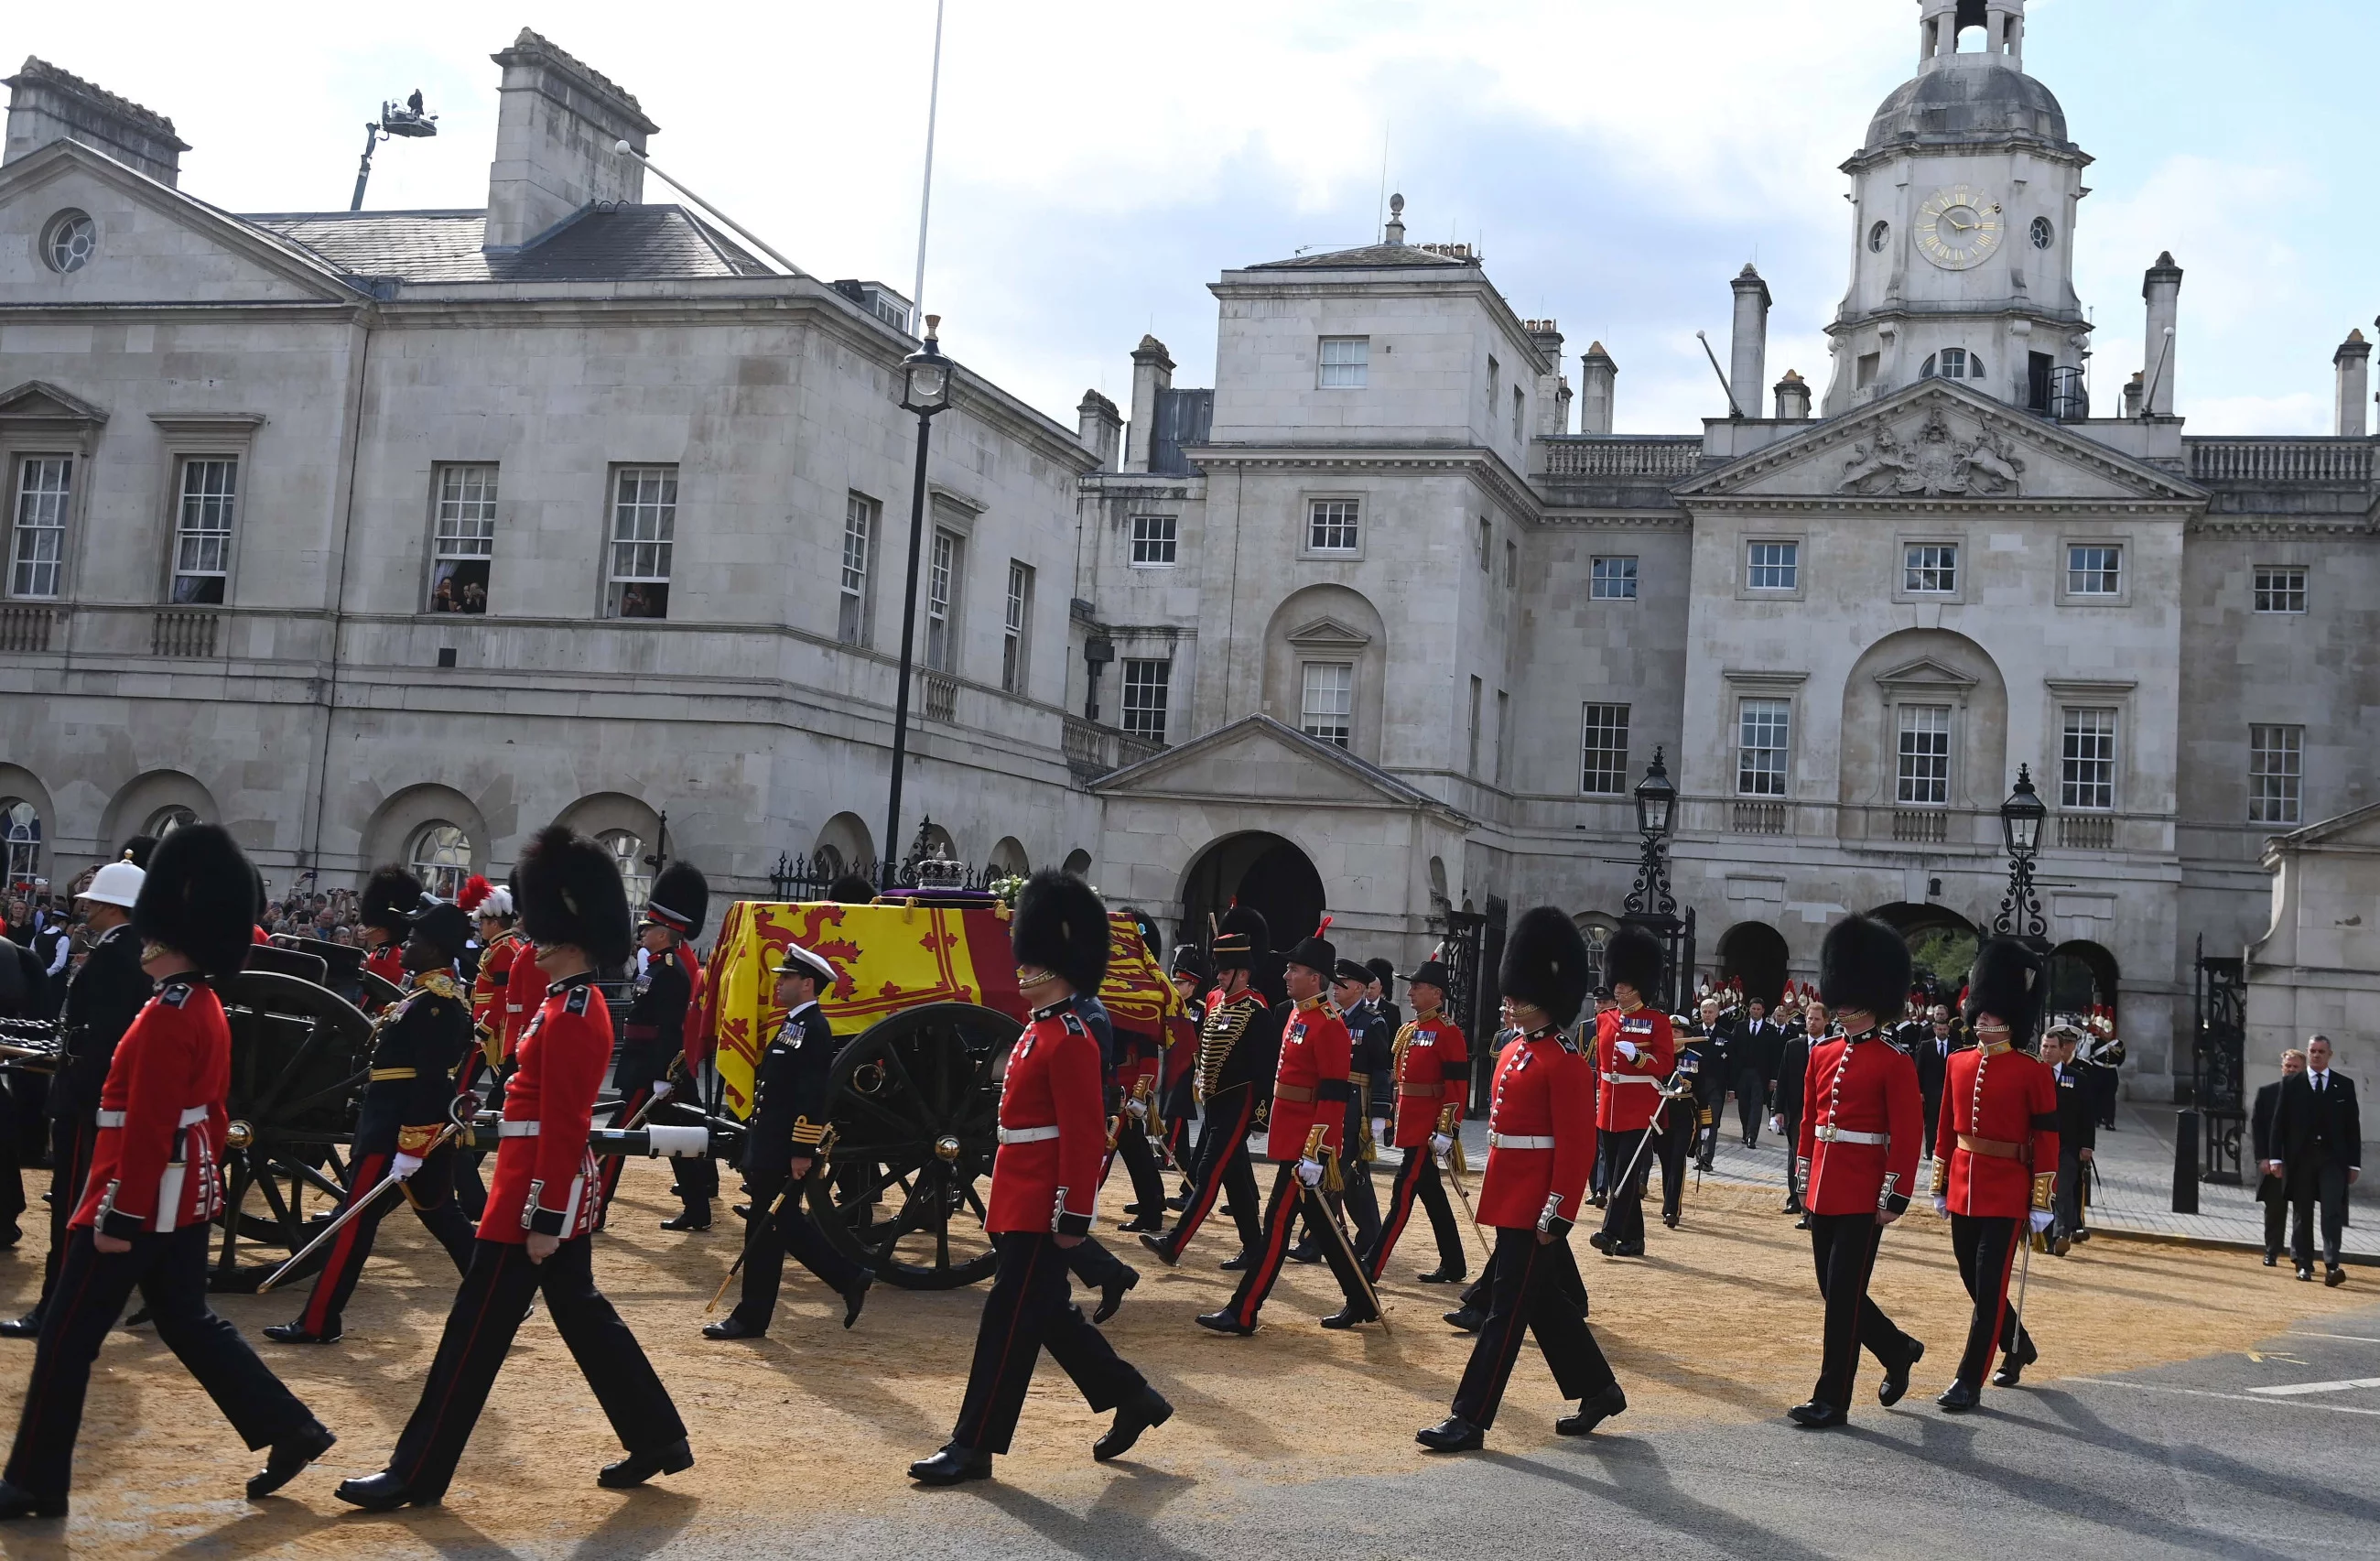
(2185,1163)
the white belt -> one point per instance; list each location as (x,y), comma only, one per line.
(189,1119)
(517,1129)
(1518,1141)
(1028,1135)
(1630,1078)
(1829,1133)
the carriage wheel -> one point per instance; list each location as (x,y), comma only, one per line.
(916,1117)
(274,1200)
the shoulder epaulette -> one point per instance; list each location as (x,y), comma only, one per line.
(1073,1023)
(576,1002)
(174,994)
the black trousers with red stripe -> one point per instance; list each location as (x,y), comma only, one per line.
(1289,1199)
(170,1270)
(71,1142)
(496,1292)
(772,1233)
(1985,1245)
(1843,1247)
(430,1191)
(1139,1157)
(1031,1308)
(1222,1165)
(1418,1177)
(1533,1287)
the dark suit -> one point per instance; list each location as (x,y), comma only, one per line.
(2318,1137)
(1793,1083)
(1933,1054)
(2078,1129)
(1752,1058)
(2271,1190)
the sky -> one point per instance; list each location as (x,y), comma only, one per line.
(1098,165)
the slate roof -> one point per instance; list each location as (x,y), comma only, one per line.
(601,244)
(1370,256)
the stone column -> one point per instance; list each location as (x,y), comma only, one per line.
(1597,380)
(2354,361)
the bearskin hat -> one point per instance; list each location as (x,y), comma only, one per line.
(1152,937)
(851,889)
(1241,939)
(1061,926)
(444,927)
(138,851)
(1382,971)
(571,893)
(391,897)
(680,900)
(1191,960)
(1863,965)
(199,899)
(1633,958)
(1546,963)
(2008,983)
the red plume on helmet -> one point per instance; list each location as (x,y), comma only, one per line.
(474,893)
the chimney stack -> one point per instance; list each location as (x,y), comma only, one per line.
(2132,389)
(1597,380)
(1553,391)
(2162,289)
(1748,358)
(1793,398)
(1102,427)
(2353,361)
(1152,373)
(558,125)
(47,104)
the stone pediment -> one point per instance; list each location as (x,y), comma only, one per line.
(1258,757)
(40,403)
(2357,832)
(1926,673)
(1329,634)
(1938,443)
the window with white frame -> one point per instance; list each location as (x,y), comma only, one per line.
(1014,627)
(1924,759)
(202,522)
(2087,769)
(1148,687)
(1603,751)
(2094,568)
(2280,589)
(2276,773)
(440,858)
(1953,363)
(628,853)
(20,844)
(37,549)
(1930,568)
(644,538)
(463,538)
(942,602)
(1333,525)
(1346,362)
(853,619)
(1772,565)
(1153,540)
(1326,706)
(1763,730)
(1612,580)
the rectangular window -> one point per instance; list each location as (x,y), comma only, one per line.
(2094,570)
(1520,408)
(1346,362)
(43,484)
(2087,779)
(1487,543)
(1954,362)
(1153,539)
(1603,751)
(941,602)
(1503,735)
(1762,728)
(2281,589)
(463,538)
(644,538)
(1773,566)
(1471,766)
(202,530)
(852,617)
(1926,755)
(1328,707)
(1013,626)
(1614,580)
(2276,773)
(1146,687)
(1492,375)
(1331,526)
(1930,568)
(1865,371)
(1511,565)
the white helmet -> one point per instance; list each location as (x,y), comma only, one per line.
(117,884)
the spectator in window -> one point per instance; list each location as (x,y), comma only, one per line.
(441,595)
(474,597)
(2318,1141)
(2271,1190)
(632,601)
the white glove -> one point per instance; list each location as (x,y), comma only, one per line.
(1942,1207)
(1139,1109)
(1625,1048)
(405,1165)
(2041,1220)
(1777,1124)
(1310,1171)
(1380,1130)
(664,1089)
(1441,1146)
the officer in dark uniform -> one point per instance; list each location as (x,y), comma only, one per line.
(2078,1131)
(781,1148)
(1239,1039)
(652,1049)
(1792,1089)
(1382,992)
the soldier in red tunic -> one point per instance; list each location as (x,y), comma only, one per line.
(154,1183)
(1432,1073)
(1310,1094)
(1044,1191)
(1635,1050)
(384,912)
(535,1236)
(1540,1139)
(1997,1129)
(1858,1149)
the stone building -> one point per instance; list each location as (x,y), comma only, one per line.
(1386,621)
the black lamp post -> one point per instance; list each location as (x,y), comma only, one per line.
(924,390)
(1650,905)
(2021,819)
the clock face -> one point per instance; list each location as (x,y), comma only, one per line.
(1957,227)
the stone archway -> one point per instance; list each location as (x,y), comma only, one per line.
(1265,872)
(1941,945)
(1755,952)
(2082,975)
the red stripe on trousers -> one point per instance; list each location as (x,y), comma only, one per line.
(1202,1197)
(364,1181)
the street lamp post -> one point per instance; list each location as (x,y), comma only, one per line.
(1650,903)
(924,390)
(2021,819)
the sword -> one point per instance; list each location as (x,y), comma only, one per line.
(1650,1128)
(791,1186)
(347,1214)
(1319,1213)
(1455,1181)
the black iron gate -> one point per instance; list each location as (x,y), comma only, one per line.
(2220,1082)
(1473,951)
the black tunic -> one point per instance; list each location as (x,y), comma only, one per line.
(789,1092)
(103,1000)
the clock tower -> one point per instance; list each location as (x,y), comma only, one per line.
(1963,199)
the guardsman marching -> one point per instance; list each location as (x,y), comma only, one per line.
(419,1042)
(1635,1050)
(538,1233)
(155,1181)
(1431,1069)
(1858,1149)
(1236,1045)
(384,912)
(1044,1191)
(786,1142)
(652,1037)
(501,953)
(1371,1057)
(1304,1139)
(1998,1127)
(1540,1138)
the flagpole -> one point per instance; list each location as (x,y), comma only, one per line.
(926,194)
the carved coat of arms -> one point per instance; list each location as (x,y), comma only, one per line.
(1935,462)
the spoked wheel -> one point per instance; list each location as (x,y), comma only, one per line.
(275,1202)
(917,1118)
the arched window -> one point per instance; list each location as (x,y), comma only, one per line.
(1596,928)
(440,858)
(628,851)
(21,842)
(164,820)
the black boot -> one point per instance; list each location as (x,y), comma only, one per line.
(2013,1363)
(1144,1410)
(1896,1383)
(1466,1320)
(1959,1397)
(1452,1435)
(29,1325)
(1592,1412)
(1816,1415)
(952,1465)
(288,1459)
(297,1333)
(1163,1248)
(379,1492)
(1111,1294)
(638,1467)
(17,1502)
(1354,1314)
(857,1296)
(1224,1321)
(1236,1264)
(731,1327)
(696,1216)
(1443,1274)
(1305,1251)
